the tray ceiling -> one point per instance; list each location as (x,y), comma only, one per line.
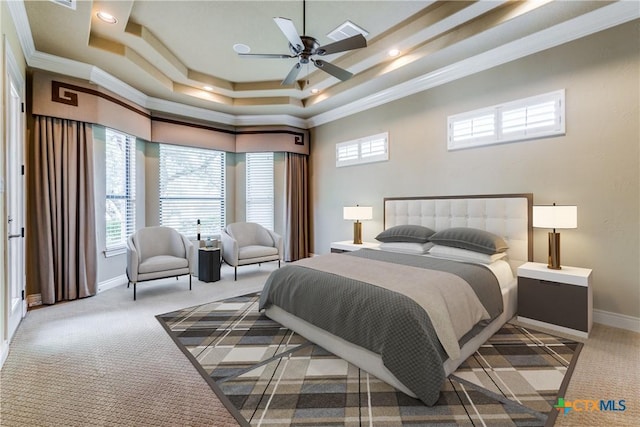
(172,50)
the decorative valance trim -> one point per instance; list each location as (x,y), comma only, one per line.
(69,98)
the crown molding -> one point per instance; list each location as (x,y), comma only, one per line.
(21,21)
(582,26)
(103,79)
(171,107)
(275,119)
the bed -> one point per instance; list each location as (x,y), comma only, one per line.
(416,354)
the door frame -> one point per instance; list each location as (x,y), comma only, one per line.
(12,76)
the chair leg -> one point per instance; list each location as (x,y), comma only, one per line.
(128,283)
(134,291)
(235,273)
(278,263)
(189,281)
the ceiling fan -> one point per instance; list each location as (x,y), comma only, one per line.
(305,48)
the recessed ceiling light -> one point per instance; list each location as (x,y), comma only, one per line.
(394,52)
(106,17)
(241,48)
(209,88)
(315,90)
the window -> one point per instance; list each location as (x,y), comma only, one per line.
(120,211)
(534,117)
(260,189)
(192,188)
(370,149)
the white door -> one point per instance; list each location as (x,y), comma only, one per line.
(14,193)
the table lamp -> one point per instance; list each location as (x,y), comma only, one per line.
(357,213)
(555,217)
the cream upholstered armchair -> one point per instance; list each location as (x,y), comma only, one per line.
(246,243)
(156,253)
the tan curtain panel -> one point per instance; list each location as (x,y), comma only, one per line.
(297,207)
(63,238)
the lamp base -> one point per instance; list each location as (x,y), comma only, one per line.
(554,251)
(357,233)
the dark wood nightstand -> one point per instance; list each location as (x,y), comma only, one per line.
(555,299)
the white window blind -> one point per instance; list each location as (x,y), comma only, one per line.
(370,149)
(535,117)
(260,193)
(120,209)
(192,188)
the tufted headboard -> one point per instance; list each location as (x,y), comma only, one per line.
(507,215)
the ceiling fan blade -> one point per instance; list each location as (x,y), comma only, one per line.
(290,32)
(264,55)
(334,70)
(291,77)
(355,42)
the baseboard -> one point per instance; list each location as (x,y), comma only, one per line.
(616,320)
(112,283)
(4,352)
(34,300)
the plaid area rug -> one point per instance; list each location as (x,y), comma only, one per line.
(269,376)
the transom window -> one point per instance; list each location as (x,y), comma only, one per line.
(374,148)
(535,117)
(192,188)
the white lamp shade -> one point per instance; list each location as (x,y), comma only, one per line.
(555,216)
(357,212)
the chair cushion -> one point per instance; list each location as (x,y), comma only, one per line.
(256,251)
(162,263)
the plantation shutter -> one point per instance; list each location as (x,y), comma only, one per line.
(531,119)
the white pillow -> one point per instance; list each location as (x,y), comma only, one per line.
(406,247)
(458,254)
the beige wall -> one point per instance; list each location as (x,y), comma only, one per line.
(595,166)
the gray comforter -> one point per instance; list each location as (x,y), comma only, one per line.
(385,322)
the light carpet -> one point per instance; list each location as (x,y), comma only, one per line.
(268,375)
(105,360)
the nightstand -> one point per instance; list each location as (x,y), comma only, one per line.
(555,299)
(349,246)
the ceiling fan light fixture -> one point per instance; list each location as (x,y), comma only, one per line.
(315,90)
(393,52)
(304,48)
(106,17)
(241,48)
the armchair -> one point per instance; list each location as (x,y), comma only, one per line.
(246,243)
(156,253)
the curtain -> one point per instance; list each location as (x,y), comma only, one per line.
(297,207)
(63,235)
